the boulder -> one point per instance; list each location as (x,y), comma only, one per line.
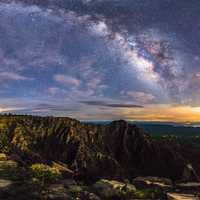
(89,196)
(5,183)
(75,189)
(17,158)
(188,186)
(178,196)
(8,168)
(190,174)
(111,188)
(156,182)
(68,182)
(3,157)
(8,164)
(56,192)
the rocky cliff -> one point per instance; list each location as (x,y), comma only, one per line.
(118,150)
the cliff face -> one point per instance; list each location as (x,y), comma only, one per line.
(117,150)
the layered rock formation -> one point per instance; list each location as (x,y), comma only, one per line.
(118,150)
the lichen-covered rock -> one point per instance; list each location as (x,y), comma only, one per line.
(153,182)
(3,157)
(111,188)
(75,189)
(8,164)
(12,190)
(5,183)
(89,196)
(56,192)
(68,182)
(15,157)
(9,169)
(188,186)
(179,196)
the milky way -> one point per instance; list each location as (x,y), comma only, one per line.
(99,59)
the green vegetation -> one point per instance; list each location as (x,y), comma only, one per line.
(147,194)
(44,174)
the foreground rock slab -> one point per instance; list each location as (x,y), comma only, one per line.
(155,182)
(5,183)
(112,188)
(190,186)
(177,196)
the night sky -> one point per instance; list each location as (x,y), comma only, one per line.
(101,59)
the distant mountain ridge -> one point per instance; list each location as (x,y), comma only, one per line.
(164,128)
(115,150)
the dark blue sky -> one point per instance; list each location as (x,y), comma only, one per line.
(101,59)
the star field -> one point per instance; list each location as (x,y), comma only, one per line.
(101,59)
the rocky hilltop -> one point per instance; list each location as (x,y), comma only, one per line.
(118,150)
(48,158)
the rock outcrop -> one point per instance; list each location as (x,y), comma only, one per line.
(117,150)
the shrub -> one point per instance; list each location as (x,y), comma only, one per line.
(148,194)
(4,144)
(44,173)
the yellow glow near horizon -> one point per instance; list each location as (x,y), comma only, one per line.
(165,113)
(1,110)
(196,109)
(6,109)
(162,112)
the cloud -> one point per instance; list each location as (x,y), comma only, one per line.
(54,91)
(36,107)
(52,107)
(111,105)
(5,76)
(67,80)
(141,97)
